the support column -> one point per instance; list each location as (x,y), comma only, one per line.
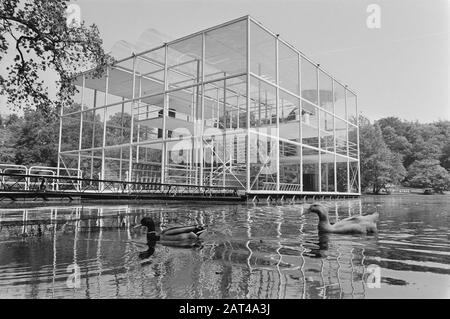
(139,125)
(224,134)
(300,120)
(130,160)
(318,129)
(334,139)
(165,114)
(202,111)
(357,141)
(346,137)
(59,145)
(248,105)
(277,103)
(93,134)
(81,123)
(104,126)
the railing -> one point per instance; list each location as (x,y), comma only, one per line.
(24,183)
(270,186)
(15,169)
(34,175)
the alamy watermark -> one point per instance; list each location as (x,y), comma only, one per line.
(73,281)
(373,20)
(73,15)
(373,279)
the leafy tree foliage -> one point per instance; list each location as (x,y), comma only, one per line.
(379,165)
(423,148)
(9,125)
(37,139)
(429,173)
(414,141)
(42,42)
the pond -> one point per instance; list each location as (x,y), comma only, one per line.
(248,251)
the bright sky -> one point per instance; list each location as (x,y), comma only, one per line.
(400,69)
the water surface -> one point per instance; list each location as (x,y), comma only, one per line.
(249,251)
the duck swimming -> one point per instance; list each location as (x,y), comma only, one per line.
(352,225)
(182,236)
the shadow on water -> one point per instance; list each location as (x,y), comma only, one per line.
(248,252)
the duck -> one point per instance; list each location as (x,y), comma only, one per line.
(366,224)
(181,236)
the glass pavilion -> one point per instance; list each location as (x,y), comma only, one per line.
(233,105)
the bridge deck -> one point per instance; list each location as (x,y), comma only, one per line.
(21,187)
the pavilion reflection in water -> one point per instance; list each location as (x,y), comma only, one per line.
(250,257)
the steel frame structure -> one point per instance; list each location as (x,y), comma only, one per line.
(188,96)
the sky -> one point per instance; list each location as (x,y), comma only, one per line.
(399,69)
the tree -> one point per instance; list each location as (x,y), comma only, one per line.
(37,139)
(396,143)
(429,174)
(379,166)
(415,141)
(445,158)
(38,34)
(8,135)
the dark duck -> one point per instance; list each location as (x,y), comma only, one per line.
(366,224)
(181,236)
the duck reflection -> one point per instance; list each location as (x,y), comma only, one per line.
(321,247)
(149,252)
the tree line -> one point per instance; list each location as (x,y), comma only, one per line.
(392,151)
(406,153)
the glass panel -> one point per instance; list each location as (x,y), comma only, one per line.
(352,141)
(263,159)
(91,164)
(288,74)
(339,100)
(94,91)
(148,167)
(92,135)
(120,81)
(310,124)
(351,107)
(126,64)
(262,53)
(70,162)
(290,166)
(223,138)
(184,107)
(309,80)
(184,62)
(70,134)
(118,124)
(341,170)
(180,167)
(341,137)
(289,117)
(76,105)
(117,163)
(326,91)
(310,169)
(150,73)
(326,131)
(327,161)
(148,118)
(114,99)
(90,98)
(225,105)
(354,178)
(263,108)
(226,50)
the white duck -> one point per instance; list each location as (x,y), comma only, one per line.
(352,225)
